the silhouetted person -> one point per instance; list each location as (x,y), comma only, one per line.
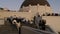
(42,24)
(17,23)
(37,18)
(9,19)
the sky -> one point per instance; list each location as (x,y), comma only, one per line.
(15,4)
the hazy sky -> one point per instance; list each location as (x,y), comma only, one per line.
(15,4)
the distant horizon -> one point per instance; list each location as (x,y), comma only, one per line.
(16,4)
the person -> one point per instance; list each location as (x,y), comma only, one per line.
(17,23)
(42,24)
(9,19)
(37,18)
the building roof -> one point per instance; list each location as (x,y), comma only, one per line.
(35,2)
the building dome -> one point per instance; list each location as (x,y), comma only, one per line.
(34,2)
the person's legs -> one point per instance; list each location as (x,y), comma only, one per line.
(18,24)
(43,27)
(14,24)
(19,27)
(19,30)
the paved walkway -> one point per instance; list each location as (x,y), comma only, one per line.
(8,30)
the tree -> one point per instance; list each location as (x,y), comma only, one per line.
(56,14)
(1,9)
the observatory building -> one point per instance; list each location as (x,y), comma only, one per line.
(34,6)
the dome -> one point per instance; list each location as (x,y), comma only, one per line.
(34,2)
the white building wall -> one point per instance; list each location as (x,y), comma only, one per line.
(38,8)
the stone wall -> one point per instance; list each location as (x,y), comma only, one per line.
(26,15)
(53,21)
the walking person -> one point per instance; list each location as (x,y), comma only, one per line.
(17,23)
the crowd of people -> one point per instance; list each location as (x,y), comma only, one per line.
(15,21)
(37,20)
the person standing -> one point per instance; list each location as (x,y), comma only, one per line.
(37,18)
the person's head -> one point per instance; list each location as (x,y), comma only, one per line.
(38,15)
(14,21)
